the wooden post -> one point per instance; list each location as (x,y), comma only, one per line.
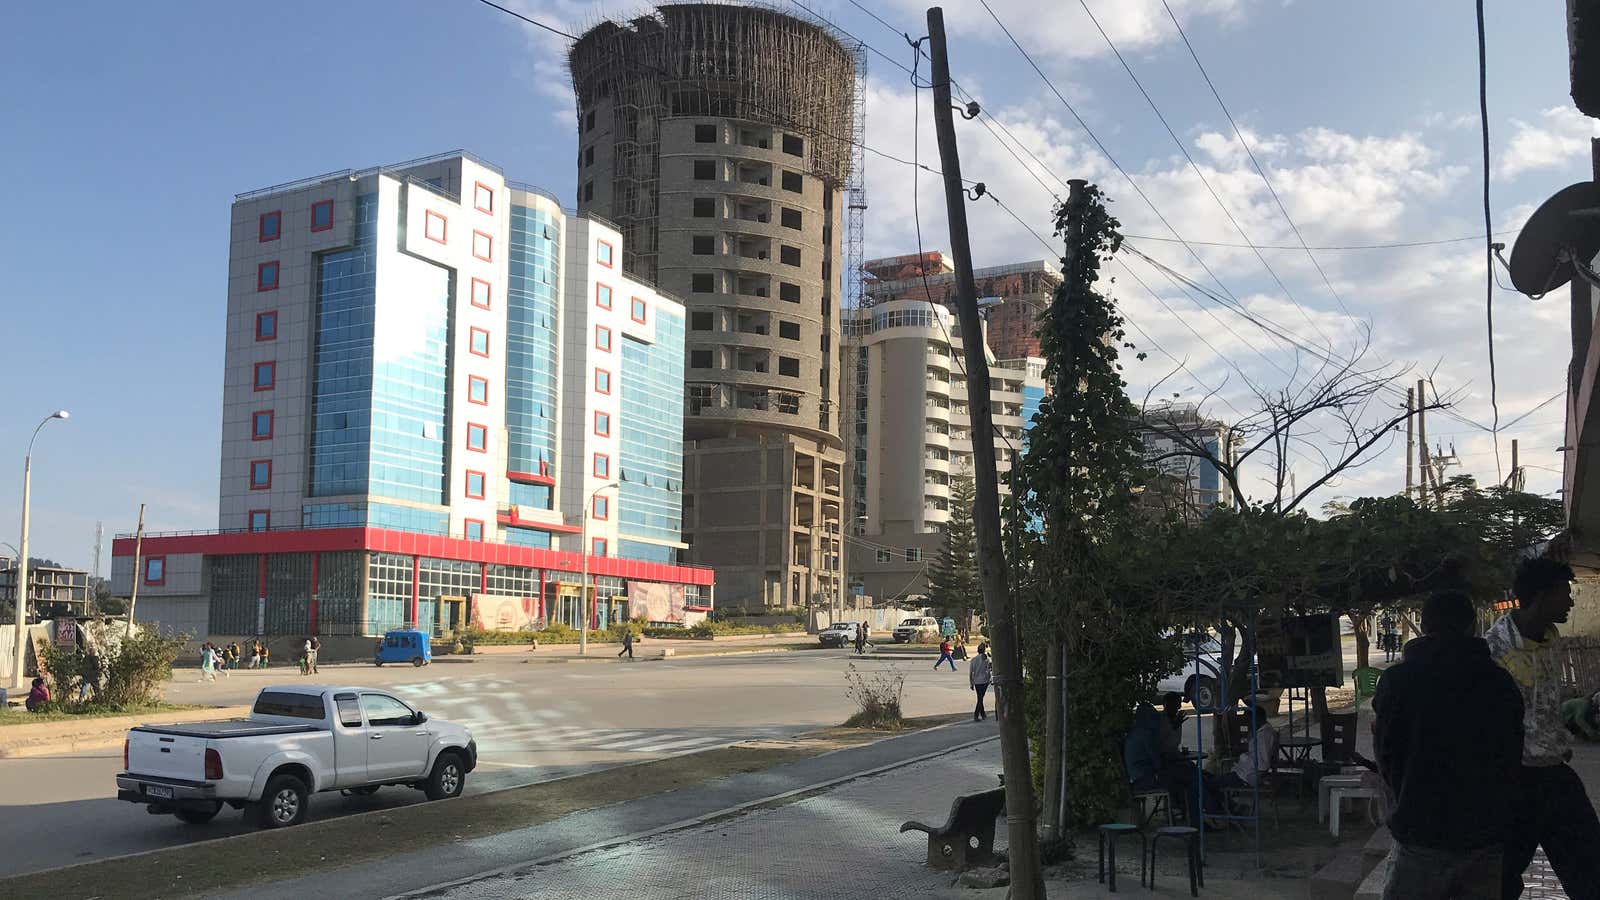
(1026,880)
(1411,438)
(1423,462)
(133,593)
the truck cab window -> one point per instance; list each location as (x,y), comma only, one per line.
(349,712)
(383,710)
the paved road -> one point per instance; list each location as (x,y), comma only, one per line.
(533,722)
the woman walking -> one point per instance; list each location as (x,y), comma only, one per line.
(979,674)
(208,662)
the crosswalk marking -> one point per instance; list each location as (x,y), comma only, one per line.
(669,745)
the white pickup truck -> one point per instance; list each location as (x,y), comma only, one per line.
(299,740)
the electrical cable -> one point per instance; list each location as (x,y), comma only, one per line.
(1488,225)
(1386,246)
(533,22)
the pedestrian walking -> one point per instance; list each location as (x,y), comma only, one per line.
(266,653)
(627,644)
(316,650)
(1552,808)
(979,674)
(208,662)
(1448,741)
(945,656)
(861,638)
(234,653)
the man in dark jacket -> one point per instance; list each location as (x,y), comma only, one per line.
(1449,746)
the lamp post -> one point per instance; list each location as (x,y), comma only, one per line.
(18,677)
(583,587)
(839,587)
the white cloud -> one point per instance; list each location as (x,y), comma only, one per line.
(1560,134)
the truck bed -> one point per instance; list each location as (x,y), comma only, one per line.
(228,728)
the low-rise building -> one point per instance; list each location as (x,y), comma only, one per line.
(52,590)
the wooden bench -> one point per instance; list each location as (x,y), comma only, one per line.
(967,838)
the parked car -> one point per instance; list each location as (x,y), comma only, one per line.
(839,634)
(1200,680)
(908,629)
(402,646)
(299,740)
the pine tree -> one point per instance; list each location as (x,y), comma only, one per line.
(953,584)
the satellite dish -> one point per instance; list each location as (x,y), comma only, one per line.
(1564,230)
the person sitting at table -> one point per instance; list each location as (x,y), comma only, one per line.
(1171,725)
(1258,757)
(1149,767)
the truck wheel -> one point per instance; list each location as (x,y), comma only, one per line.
(416,661)
(448,777)
(198,815)
(282,804)
(378,663)
(1202,692)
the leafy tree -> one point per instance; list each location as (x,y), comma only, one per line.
(953,584)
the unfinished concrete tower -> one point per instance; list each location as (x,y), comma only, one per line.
(717,138)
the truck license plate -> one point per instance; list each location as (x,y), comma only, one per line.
(155,790)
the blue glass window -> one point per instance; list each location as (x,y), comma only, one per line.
(602,381)
(598,547)
(531,342)
(480,342)
(322,215)
(155,570)
(602,424)
(267,326)
(602,338)
(475,484)
(474,530)
(265,374)
(260,519)
(260,474)
(267,276)
(602,296)
(477,438)
(477,389)
(603,253)
(637,312)
(602,508)
(602,466)
(650,425)
(261,424)
(271,226)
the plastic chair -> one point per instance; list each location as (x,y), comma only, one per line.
(1366,682)
(1108,842)
(1191,839)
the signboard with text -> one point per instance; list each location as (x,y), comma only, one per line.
(1302,651)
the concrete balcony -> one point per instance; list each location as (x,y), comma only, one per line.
(935,413)
(935,489)
(938,439)
(933,464)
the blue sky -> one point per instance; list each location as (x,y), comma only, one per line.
(131,127)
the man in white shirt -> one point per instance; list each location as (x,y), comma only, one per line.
(1263,747)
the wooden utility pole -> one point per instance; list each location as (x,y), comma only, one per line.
(1515,481)
(1422,439)
(133,594)
(1411,439)
(1027,882)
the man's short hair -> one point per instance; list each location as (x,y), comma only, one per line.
(1448,612)
(1538,575)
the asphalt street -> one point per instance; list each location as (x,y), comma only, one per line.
(532,721)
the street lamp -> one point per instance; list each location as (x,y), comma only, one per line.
(20,660)
(839,587)
(583,587)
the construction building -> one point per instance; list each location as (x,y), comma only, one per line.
(1010,297)
(1187,484)
(718,138)
(911,434)
(52,590)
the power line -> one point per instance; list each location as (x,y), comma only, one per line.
(1488,225)
(1201,175)
(535,23)
(1385,246)
(1239,133)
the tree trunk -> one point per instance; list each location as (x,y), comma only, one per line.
(1363,640)
(1051,826)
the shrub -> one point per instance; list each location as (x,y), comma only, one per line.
(877,698)
(476,636)
(120,671)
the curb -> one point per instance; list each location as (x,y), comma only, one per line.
(108,732)
(681,824)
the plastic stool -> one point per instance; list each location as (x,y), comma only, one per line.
(1108,841)
(1338,795)
(1191,840)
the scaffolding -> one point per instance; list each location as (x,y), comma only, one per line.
(712,59)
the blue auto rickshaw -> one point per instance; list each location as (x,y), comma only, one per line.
(404,645)
(947,628)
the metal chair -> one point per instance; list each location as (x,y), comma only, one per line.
(1191,840)
(1109,833)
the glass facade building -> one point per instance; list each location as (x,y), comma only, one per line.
(650,475)
(532,323)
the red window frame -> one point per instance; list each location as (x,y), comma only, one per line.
(600,472)
(250,520)
(605,258)
(472,381)
(272,375)
(270,315)
(261,226)
(482,430)
(472,341)
(146,573)
(597,388)
(480,186)
(321,204)
(599,330)
(600,508)
(466,484)
(488,294)
(261,275)
(489,257)
(466,529)
(254,417)
(598,416)
(602,290)
(251,475)
(428,216)
(597,546)
(638,310)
